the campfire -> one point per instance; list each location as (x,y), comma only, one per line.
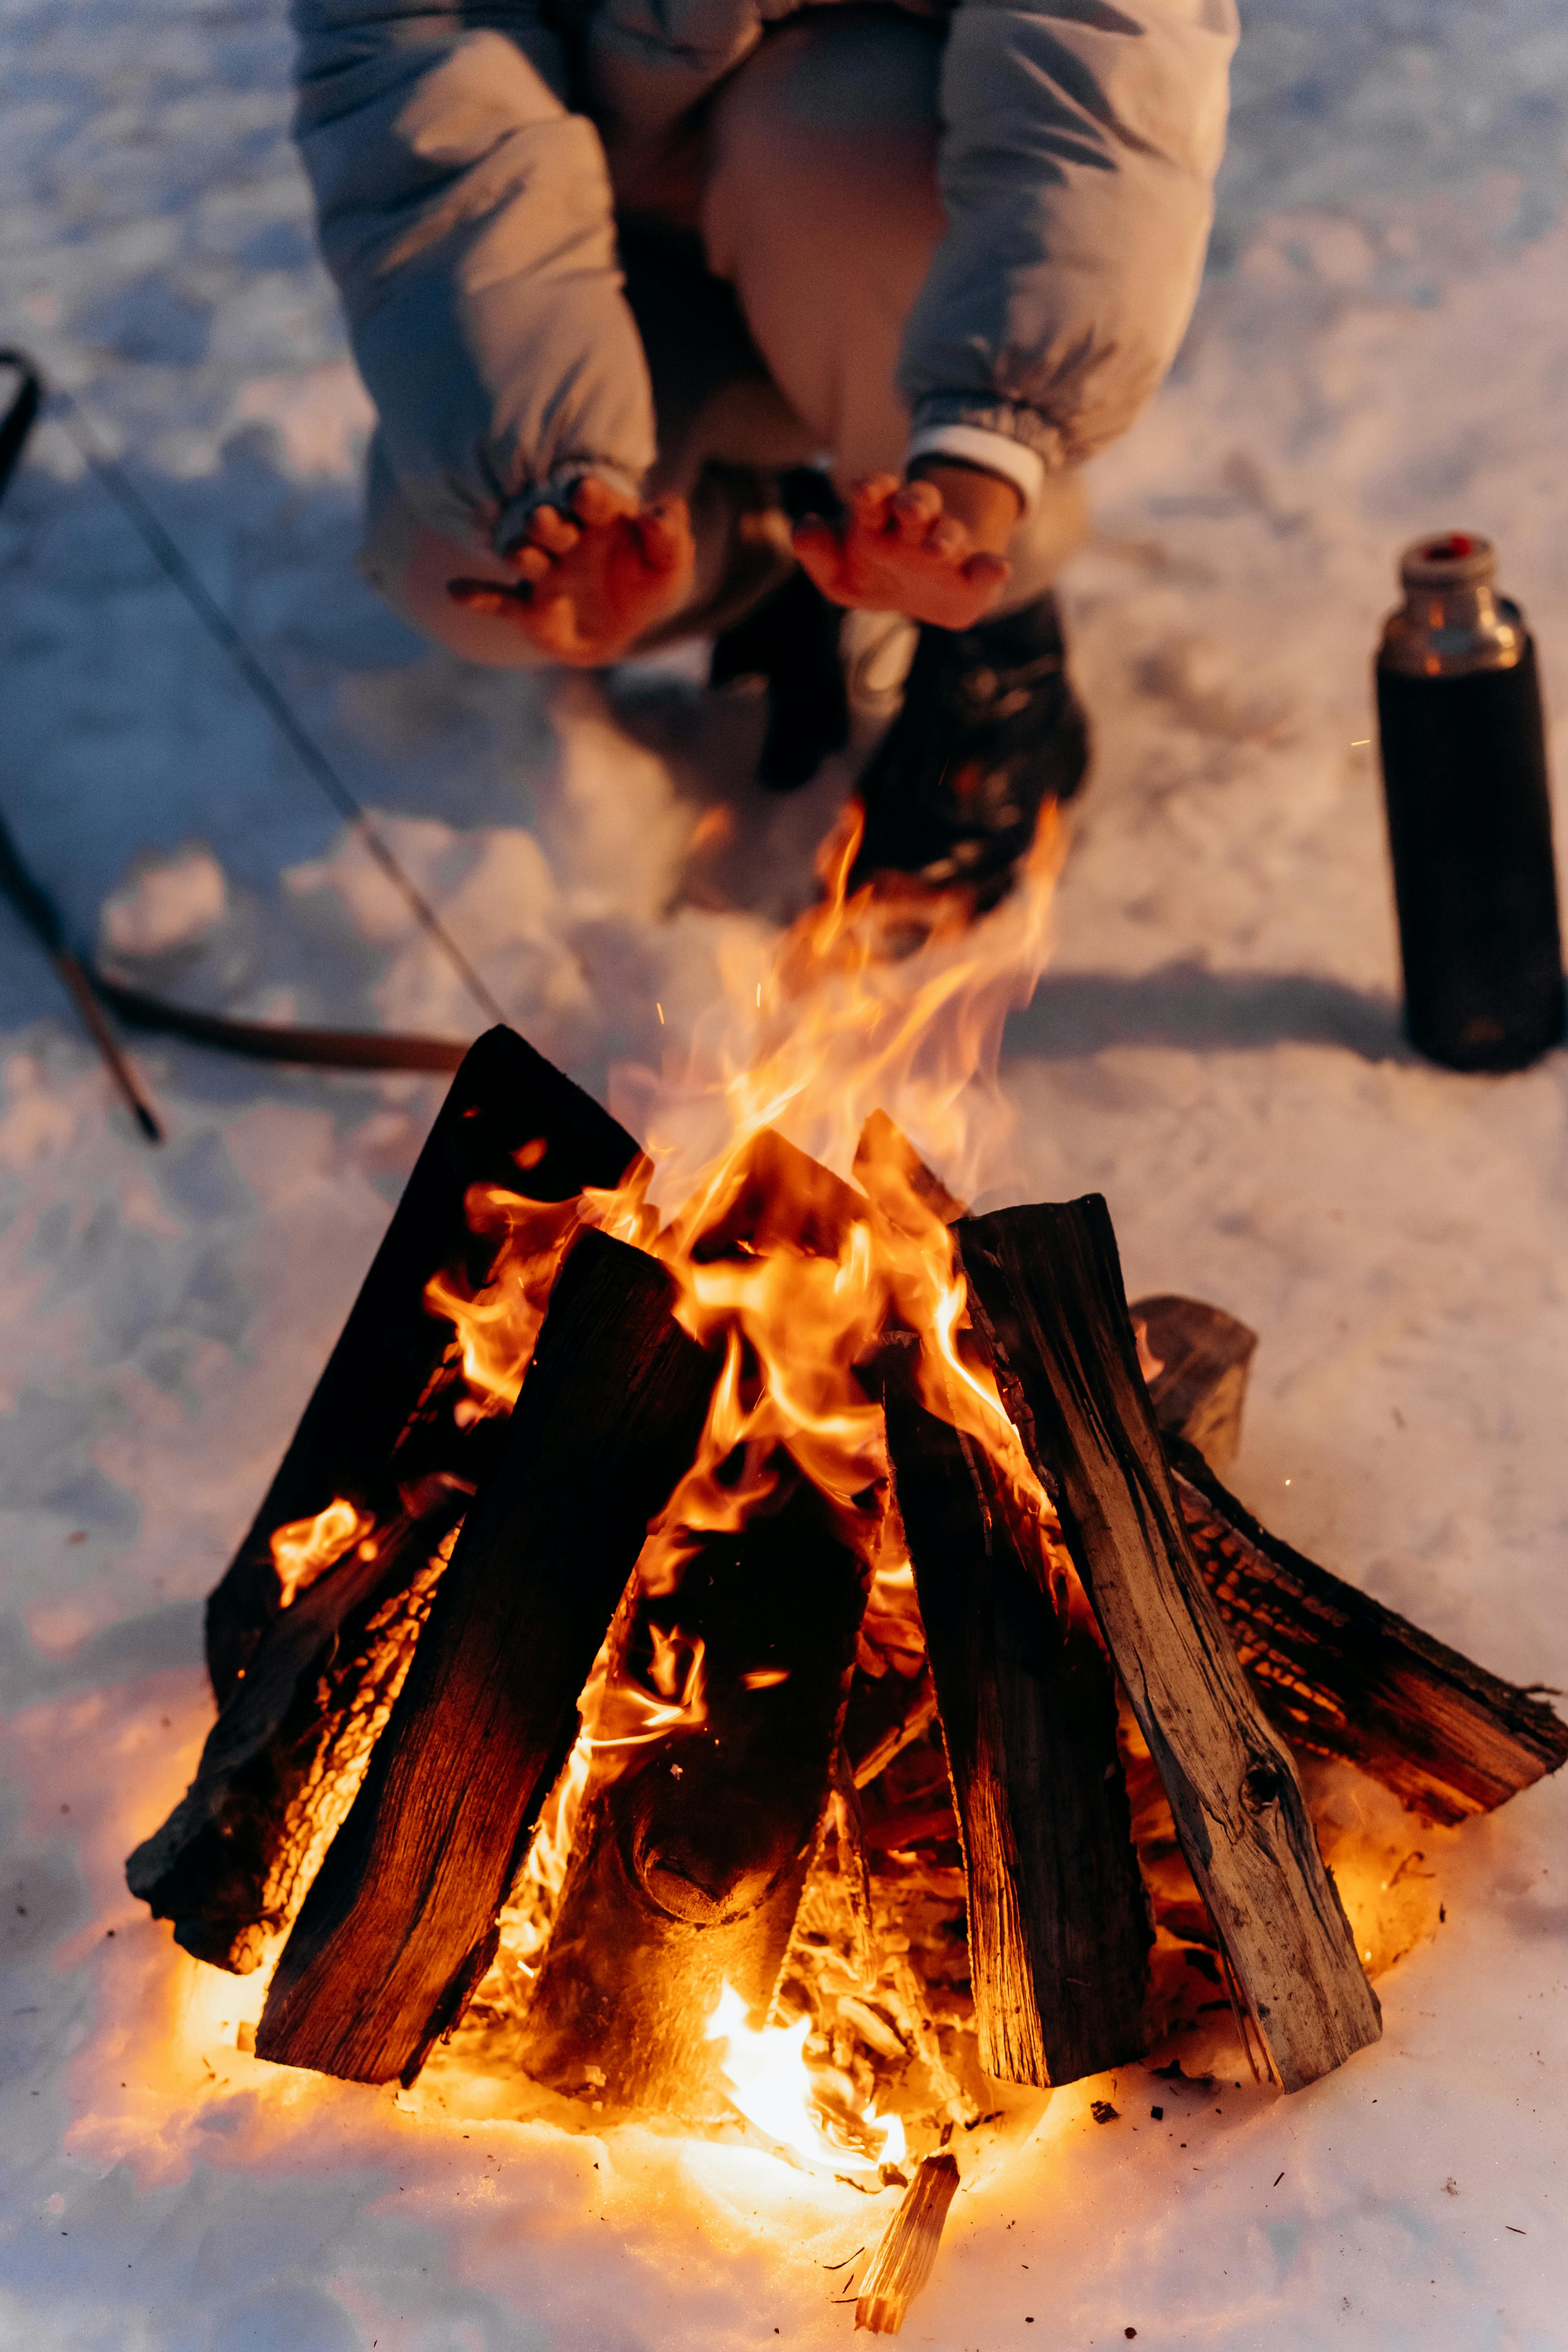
(736,1637)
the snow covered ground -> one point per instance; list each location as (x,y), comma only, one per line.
(1383,347)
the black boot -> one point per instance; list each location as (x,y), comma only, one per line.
(791,639)
(990,731)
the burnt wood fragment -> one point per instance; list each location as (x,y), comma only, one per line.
(690,1853)
(505,1101)
(1343,1677)
(1049,1304)
(1205,1355)
(400,1921)
(908,2249)
(1059,1923)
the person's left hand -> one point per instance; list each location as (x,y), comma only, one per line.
(902,548)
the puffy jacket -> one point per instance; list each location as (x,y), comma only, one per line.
(466,214)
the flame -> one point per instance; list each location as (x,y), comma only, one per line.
(798,1226)
(498,1324)
(305,1549)
(803,1226)
(771,2085)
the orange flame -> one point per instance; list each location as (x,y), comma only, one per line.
(498,1324)
(771,2084)
(305,1549)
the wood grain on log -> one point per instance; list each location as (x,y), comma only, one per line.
(1343,1677)
(280,1765)
(1205,1355)
(690,1853)
(399,1923)
(1047,1301)
(1058,1924)
(304,1687)
(504,1101)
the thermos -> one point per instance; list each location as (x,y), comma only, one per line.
(1469,814)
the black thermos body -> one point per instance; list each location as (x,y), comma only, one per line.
(1469,813)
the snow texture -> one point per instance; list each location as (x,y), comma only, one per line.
(1381,349)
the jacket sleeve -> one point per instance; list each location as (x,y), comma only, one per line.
(466,215)
(1080,142)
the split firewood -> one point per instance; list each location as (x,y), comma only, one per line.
(510,1119)
(903,2260)
(280,1765)
(886,1713)
(312,1627)
(1048,1302)
(1058,1923)
(1205,1355)
(399,1925)
(690,1853)
(1343,1677)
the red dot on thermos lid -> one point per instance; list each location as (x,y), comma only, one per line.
(1452,548)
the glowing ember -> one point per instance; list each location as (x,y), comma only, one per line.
(771,2085)
(306,1548)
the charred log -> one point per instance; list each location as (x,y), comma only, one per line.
(399,1923)
(1059,1925)
(506,1106)
(305,1681)
(691,1854)
(1205,1355)
(285,1756)
(1343,1677)
(1047,1301)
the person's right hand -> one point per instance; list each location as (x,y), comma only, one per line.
(591,582)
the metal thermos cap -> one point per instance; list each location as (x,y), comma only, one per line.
(1452,621)
(1454,558)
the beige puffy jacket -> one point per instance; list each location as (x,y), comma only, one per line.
(466,214)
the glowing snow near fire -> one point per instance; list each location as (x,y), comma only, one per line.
(771,2085)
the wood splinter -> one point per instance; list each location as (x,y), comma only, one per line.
(902,2262)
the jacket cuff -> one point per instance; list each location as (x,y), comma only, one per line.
(994,453)
(994,413)
(554,489)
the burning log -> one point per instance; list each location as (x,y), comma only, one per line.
(1343,1675)
(400,1922)
(903,2260)
(1337,1673)
(1048,1302)
(233,1860)
(510,1120)
(691,1854)
(312,1627)
(1058,1923)
(1205,1355)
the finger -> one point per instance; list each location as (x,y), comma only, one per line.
(553,532)
(819,550)
(593,502)
(487,596)
(915,511)
(987,572)
(870,499)
(533,564)
(947,540)
(666,534)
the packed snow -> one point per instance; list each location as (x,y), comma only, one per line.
(1381,349)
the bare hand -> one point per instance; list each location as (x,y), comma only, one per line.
(593,581)
(901,548)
